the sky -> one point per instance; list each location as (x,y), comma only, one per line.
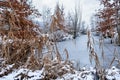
(88,7)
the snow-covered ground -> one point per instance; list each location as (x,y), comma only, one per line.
(84,74)
(79,54)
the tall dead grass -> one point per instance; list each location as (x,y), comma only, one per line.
(99,65)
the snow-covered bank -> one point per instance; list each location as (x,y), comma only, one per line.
(83,74)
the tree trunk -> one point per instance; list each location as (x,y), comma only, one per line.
(74,34)
(118,23)
(118,41)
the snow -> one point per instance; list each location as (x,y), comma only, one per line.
(17,74)
(113,73)
(78,53)
(83,74)
(2,70)
(60,36)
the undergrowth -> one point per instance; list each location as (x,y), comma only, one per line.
(23,43)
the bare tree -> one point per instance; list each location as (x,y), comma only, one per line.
(117,11)
(76,20)
(83,27)
(69,17)
(93,22)
(46,16)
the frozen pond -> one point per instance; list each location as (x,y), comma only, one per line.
(78,51)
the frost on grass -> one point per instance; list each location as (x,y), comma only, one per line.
(65,72)
(47,72)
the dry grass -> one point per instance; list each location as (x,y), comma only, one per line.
(100,69)
(19,39)
(23,46)
(100,72)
